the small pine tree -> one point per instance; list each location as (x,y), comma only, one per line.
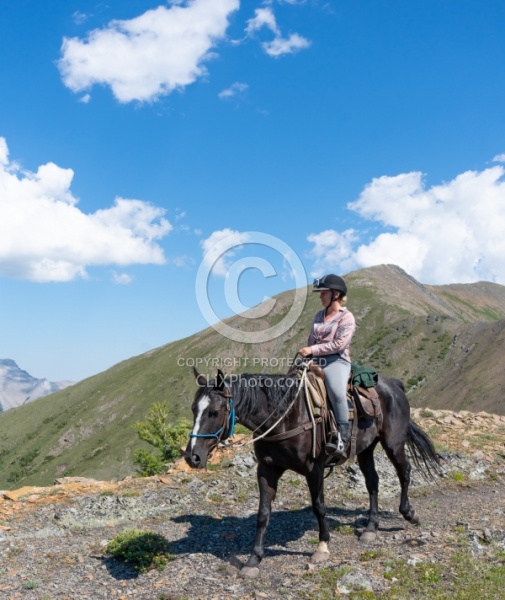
(167,439)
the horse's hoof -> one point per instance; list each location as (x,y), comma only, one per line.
(368,537)
(414,520)
(319,557)
(249,572)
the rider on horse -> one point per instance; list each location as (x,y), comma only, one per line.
(328,344)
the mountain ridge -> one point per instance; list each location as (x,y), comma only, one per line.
(443,342)
(18,387)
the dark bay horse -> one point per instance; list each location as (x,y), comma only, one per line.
(275,405)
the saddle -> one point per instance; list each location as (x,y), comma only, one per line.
(366,402)
(362,399)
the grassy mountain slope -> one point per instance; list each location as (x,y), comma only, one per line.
(444,342)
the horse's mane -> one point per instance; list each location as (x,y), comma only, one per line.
(252,389)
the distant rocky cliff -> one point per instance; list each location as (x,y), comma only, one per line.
(19,387)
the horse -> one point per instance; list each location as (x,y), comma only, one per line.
(275,409)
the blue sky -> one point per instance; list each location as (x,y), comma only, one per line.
(141,142)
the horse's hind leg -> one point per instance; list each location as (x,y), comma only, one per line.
(366,463)
(395,451)
(268,478)
(315,481)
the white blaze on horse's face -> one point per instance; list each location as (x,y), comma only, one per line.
(203,404)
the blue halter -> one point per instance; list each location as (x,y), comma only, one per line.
(229,421)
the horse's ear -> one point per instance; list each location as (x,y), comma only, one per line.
(200,379)
(220,379)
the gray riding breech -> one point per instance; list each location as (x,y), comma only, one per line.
(336,375)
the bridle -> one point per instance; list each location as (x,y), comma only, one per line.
(228,421)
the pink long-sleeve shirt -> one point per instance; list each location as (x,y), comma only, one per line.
(332,336)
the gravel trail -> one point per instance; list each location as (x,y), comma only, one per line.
(52,540)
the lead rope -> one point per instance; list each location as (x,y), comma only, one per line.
(310,411)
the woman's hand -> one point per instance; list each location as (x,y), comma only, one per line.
(306,351)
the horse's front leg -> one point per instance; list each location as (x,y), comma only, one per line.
(268,478)
(315,481)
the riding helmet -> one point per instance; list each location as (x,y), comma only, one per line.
(330,282)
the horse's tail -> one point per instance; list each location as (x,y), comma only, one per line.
(423,453)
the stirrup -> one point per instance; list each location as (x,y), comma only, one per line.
(335,446)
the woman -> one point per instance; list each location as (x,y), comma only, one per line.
(329,344)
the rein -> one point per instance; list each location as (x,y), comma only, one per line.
(230,420)
(280,436)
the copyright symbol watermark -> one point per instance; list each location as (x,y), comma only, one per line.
(218,261)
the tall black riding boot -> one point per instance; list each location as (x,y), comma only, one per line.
(343,428)
(337,444)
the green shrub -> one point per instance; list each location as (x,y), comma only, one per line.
(141,550)
(426,413)
(31,584)
(148,463)
(344,529)
(17,474)
(26,459)
(167,439)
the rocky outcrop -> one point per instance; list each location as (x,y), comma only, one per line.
(53,540)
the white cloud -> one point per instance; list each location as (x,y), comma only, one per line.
(499,158)
(79,18)
(121,278)
(331,248)
(151,55)
(45,237)
(220,247)
(265,18)
(452,232)
(236,89)
(4,152)
(280,45)
(182,261)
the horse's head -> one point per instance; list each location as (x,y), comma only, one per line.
(213,419)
